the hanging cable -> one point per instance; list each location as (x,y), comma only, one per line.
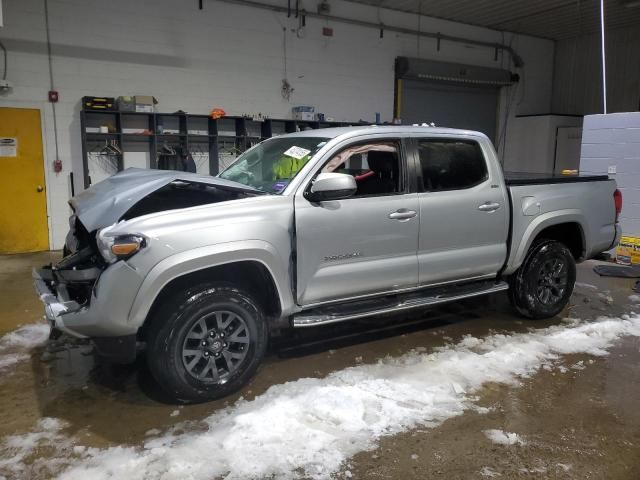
(511,93)
(517,60)
(604,63)
(419,28)
(4,51)
(286,89)
(51,84)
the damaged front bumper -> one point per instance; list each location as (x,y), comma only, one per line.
(55,306)
(102,317)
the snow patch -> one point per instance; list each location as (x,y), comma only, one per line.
(634,298)
(533,470)
(310,427)
(606,298)
(504,438)
(26,337)
(489,473)
(20,453)
(10,359)
(14,346)
(579,365)
(588,286)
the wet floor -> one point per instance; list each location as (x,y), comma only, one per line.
(583,423)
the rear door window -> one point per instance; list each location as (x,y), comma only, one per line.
(451,164)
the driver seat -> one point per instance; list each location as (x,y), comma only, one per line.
(384,165)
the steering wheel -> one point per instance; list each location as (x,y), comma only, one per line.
(248,176)
(256,158)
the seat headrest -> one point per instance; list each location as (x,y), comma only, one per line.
(381,161)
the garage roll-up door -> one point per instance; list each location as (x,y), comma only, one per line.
(450,95)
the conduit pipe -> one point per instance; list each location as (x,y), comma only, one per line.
(517,59)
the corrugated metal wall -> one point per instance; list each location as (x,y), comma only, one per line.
(554,19)
(577,84)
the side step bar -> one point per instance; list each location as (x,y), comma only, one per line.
(397,303)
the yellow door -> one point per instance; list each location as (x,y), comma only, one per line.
(23,205)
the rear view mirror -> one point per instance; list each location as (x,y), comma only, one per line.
(332,186)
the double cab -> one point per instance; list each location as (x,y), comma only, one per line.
(308,229)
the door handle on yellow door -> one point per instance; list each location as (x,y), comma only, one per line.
(39,189)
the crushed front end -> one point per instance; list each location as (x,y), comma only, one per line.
(90,292)
(79,295)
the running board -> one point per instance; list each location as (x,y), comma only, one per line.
(396,303)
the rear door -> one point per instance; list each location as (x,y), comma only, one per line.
(366,244)
(464,212)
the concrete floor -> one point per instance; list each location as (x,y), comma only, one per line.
(581,424)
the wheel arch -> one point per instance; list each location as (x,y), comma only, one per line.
(568,227)
(570,234)
(254,266)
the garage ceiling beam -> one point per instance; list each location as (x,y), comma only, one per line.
(510,20)
(517,59)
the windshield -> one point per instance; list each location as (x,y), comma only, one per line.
(272,164)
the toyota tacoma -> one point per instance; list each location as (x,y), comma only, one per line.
(309,229)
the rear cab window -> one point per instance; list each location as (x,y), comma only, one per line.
(451,164)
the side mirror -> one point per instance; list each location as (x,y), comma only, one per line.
(332,186)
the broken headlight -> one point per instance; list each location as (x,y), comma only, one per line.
(119,247)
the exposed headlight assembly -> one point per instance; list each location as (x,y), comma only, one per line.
(115,247)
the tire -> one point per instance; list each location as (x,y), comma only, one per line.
(224,317)
(543,284)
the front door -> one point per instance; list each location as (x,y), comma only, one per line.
(23,205)
(365,244)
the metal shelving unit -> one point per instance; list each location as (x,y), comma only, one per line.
(223,135)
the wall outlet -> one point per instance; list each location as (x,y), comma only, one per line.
(5,85)
(612,170)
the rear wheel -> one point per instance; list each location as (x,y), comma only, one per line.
(542,286)
(206,342)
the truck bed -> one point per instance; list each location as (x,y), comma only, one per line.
(537,200)
(520,178)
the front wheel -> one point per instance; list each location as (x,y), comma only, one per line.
(206,342)
(541,287)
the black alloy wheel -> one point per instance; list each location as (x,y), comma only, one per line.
(543,284)
(206,342)
(215,346)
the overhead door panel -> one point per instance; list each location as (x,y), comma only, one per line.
(454,106)
(450,94)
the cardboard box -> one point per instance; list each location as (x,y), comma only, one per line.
(305,113)
(145,103)
(126,104)
(628,251)
(306,116)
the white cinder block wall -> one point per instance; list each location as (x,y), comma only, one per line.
(611,144)
(232,57)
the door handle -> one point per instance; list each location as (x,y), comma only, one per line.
(402,214)
(39,189)
(489,207)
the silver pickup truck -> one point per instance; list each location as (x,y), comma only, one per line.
(309,229)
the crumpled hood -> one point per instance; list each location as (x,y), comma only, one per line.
(106,202)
